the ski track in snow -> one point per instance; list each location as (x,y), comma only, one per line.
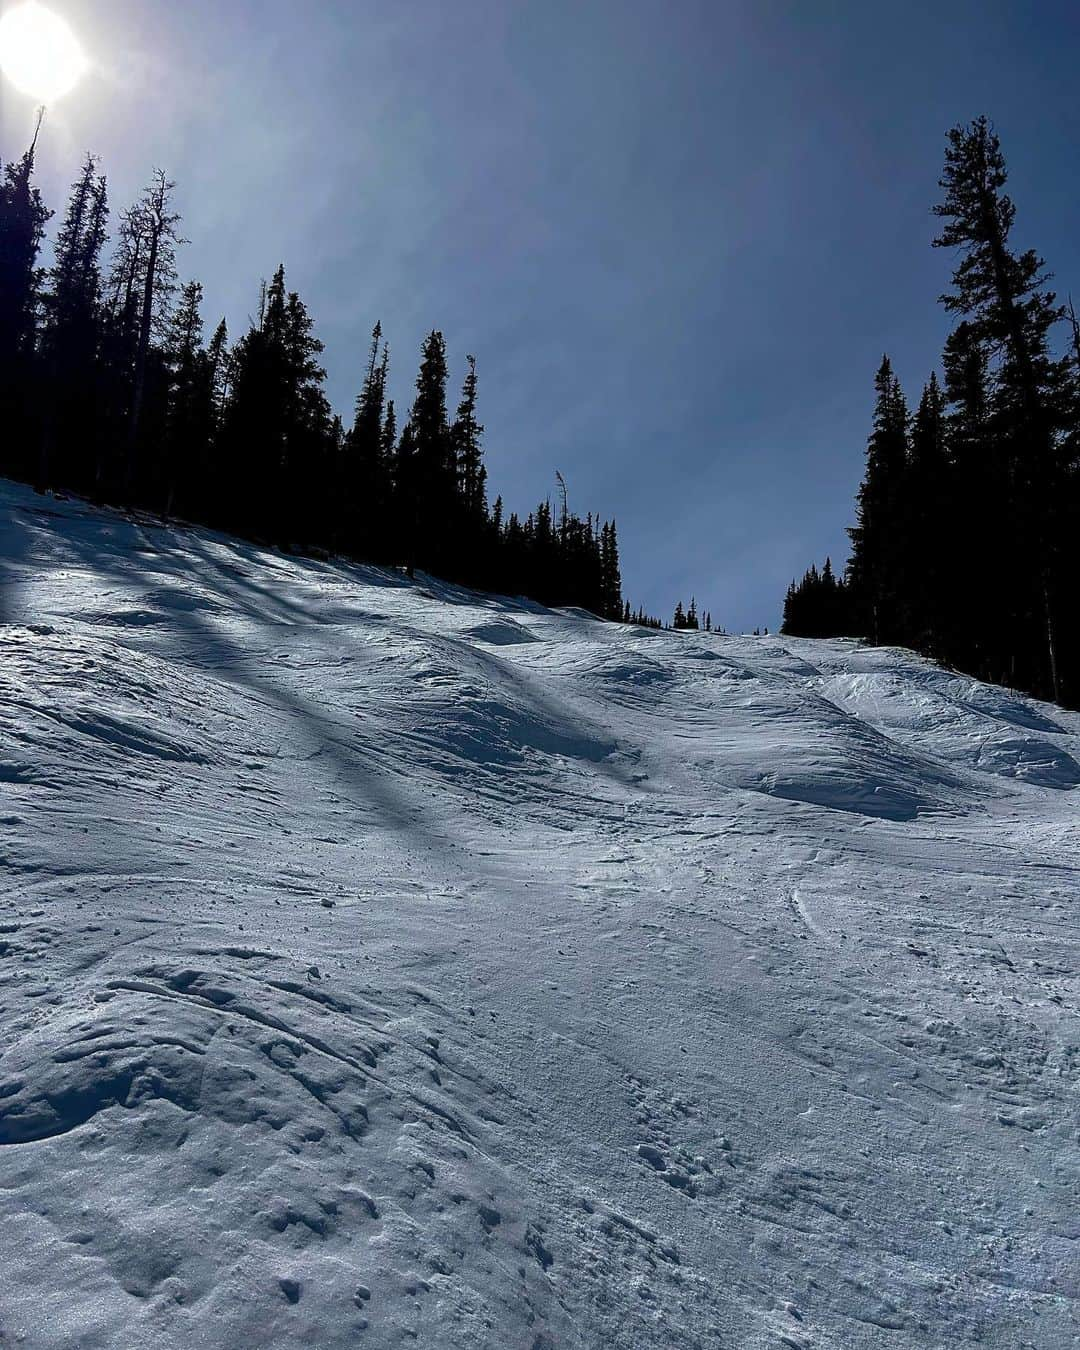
(387,964)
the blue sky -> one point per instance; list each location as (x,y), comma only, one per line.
(676,235)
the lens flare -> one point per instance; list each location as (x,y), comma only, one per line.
(39,53)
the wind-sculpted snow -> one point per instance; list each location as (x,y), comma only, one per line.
(985,728)
(387,964)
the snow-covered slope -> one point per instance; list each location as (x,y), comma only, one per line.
(386,964)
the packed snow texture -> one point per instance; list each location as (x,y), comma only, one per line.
(386,964)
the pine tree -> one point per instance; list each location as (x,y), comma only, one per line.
(218,359)
(23,217)
(433,472)
(308,442)
(610,577)
(154,224)
(254,421)
(817,606)
(366,488)
(244,437)
(389,433)
(191,415)
(1005,298)
(926,526)
(72,340)
(978,506)
(467,431)
(367,422)
(472,536)
(406,511)
(876,547)
(119,339)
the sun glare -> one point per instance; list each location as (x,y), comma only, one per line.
(39,53)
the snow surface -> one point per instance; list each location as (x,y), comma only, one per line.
(385,964)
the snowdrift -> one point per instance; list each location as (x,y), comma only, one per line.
(383,963)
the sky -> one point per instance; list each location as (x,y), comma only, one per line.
(677,236)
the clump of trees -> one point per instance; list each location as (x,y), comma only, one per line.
(966,542)
(110,387)
(819,605)
(688,618)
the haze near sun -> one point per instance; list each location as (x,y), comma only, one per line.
(39,53)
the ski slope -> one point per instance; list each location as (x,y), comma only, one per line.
(386,964)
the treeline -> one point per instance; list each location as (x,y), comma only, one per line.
(110,388)
(688,617)
(819,605)
(966,544)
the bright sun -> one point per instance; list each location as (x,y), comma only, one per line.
(39,53)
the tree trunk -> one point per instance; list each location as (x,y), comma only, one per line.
(1035,410)
(1051,639)
(141,353)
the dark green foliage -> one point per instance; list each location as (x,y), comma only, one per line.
(191,418)
(276,444)
(819,605)
(1004,297)
(152,225)
(23,218)
(688,618)
(431,473)
(610,576)
(874,570)
(574,562)
(364,527)
(108,387)
(965,544)
(71,343)
(468,455)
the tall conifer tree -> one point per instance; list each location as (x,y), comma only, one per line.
(1004,296)
(23,217)
(876,548)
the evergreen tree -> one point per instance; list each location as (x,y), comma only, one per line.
(308,439)
(72,338)
(367,483)
(191,413)
(611,606)
(817,606)
(140,408)
(119,340)
(261,440)
(153,223)
(472,535)
(467,431)
(389,433)
(1004,296)
(876,548)
(977,503)
(23,217)
(926,528)
(218,360)
(433,471)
